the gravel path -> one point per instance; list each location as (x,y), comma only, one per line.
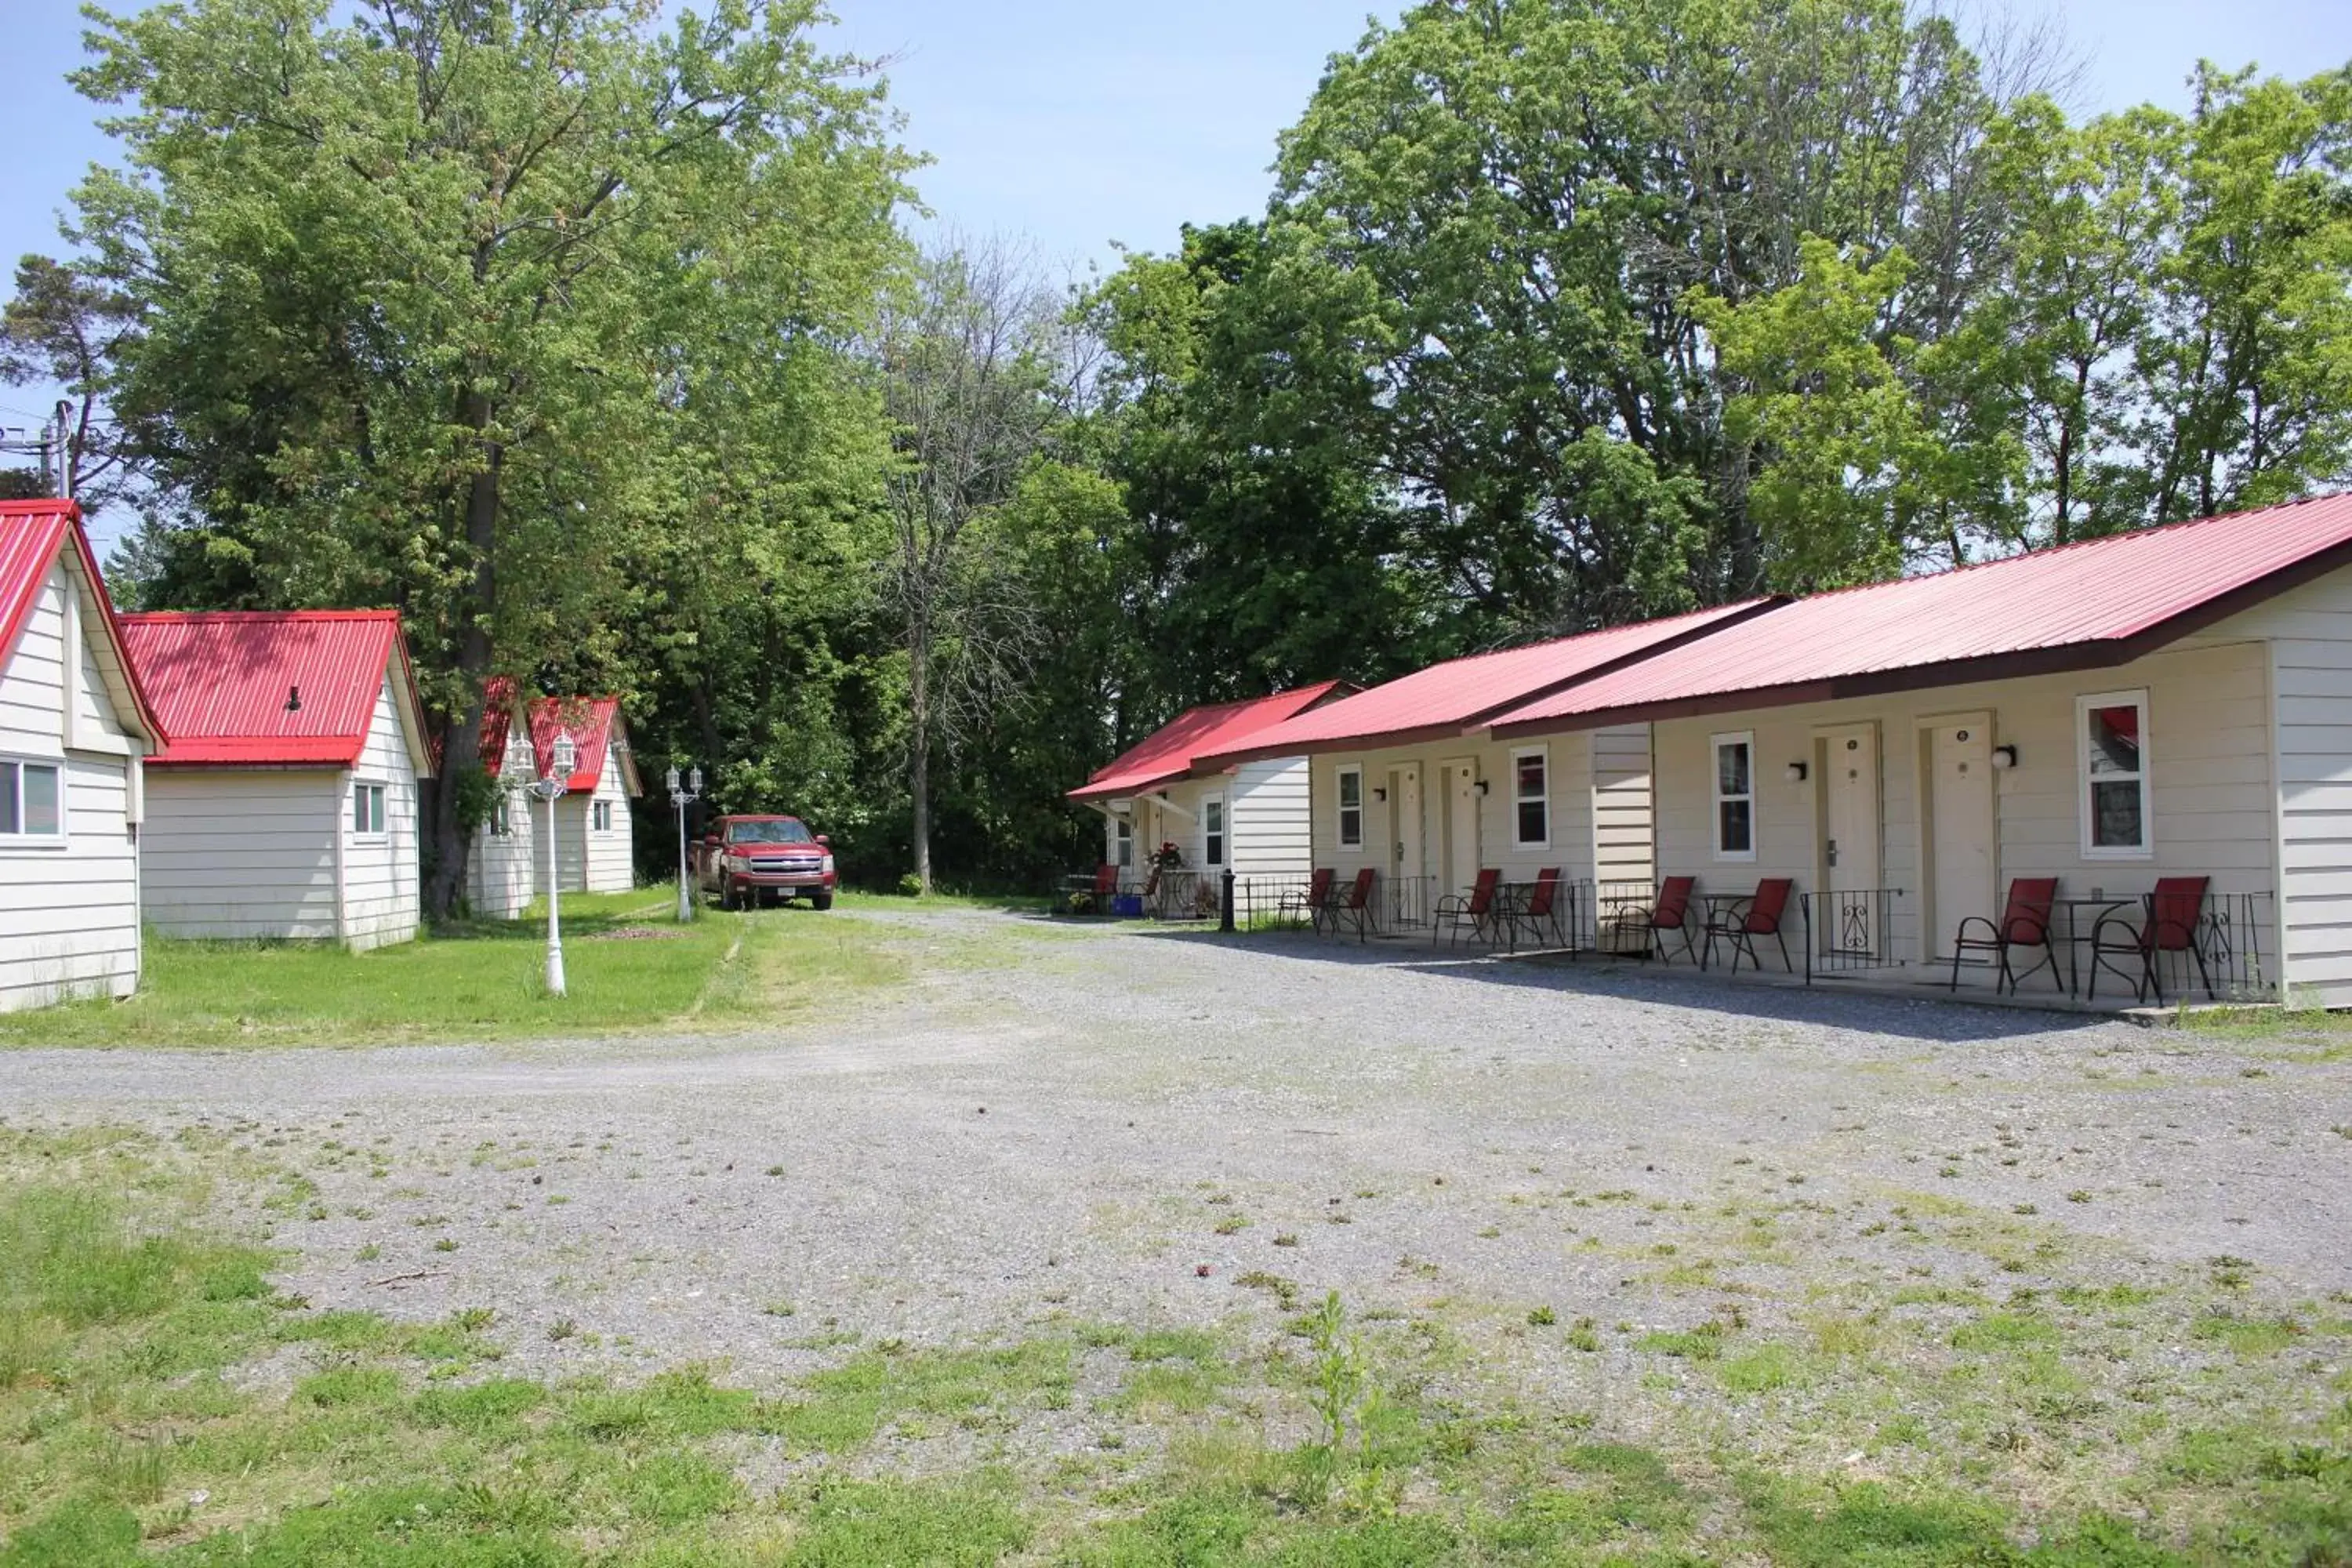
(1070,1121)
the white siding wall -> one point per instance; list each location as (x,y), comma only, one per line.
(1569,775)
(2311,656)
(1270,829)
(611,854)
(69,916)
(503,869)
(2210,790)
(241,852)
(1623,834)
(380,871)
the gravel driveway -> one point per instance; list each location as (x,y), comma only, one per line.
(1149,1126)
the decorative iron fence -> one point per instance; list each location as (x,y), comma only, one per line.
(2231,958)
(1616,917)
(1850,930)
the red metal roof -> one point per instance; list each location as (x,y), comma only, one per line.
(32,533)
(1173,750)
(2098,603)
(593,723)
(1445,699)
(222,680)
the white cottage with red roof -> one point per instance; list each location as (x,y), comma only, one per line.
(284,804)
(2084,727)
(595,848)
(1253,819)
(74,726)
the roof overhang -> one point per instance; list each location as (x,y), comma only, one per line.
(2104,653)
(114,665)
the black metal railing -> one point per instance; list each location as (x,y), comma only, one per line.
(2232,957)
(1615,917)
(1850,930)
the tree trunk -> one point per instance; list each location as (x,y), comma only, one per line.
(462,755)
(919,739)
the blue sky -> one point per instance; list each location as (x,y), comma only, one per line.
(1081,123)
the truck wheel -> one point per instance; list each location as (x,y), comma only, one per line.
(728,900)
(820,901)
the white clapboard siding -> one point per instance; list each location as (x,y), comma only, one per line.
(612,855)
(241,852)
(1623,836)
(504,870)
(69,917)
(1267,805)
(2310,641)
(380,870)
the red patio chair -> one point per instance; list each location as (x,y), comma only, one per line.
(1309,905)
(2024,923)
(1740,923)
(1672,913)
(1476,911)
(1541,912)
(2170,923)
(1355,907)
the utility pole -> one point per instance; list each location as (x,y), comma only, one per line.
(64,487)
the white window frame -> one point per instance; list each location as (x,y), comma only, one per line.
(1339,818)
(379,824)
(502,815)
(599,815)
(1217,842)
(45,842)
(1518,800)
(1122,842)
(2146,848)
(1717,800)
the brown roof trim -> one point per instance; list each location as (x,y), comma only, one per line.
(1388,740)
(2104,653)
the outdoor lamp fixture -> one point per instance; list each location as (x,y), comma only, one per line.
(1796,773)
(550,787)
(2004,758)
(682,798)
(1379,792)
(1484,786)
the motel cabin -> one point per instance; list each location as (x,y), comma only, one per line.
(2175,702)
(75,727)
(1404,781)
(596,844)
(284,802)
(1158,801)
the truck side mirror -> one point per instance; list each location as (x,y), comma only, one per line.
(821,838)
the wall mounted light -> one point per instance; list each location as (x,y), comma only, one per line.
(1796,773)
(1484,786)
(1379,792)
(2004,758)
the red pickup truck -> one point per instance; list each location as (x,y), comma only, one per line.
(744,860)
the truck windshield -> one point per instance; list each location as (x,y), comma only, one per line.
(769,833)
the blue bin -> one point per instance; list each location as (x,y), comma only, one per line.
(1128,905)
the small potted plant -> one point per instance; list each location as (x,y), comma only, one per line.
(1168,858)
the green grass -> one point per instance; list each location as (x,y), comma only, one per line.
(132,1430)
(483,980)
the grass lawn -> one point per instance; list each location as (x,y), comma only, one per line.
(160,1399)
(627,966)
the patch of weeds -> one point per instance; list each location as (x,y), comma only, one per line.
(1761,1370)
(1283,1292)
(2247,1336)
(1542,1318)
(847,1406)
(1583,1335)
(1704,1342)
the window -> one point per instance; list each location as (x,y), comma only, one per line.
(1123,836)
(2113,727)
(502,818)
(1735,797)
(1531,799)
(31,802)
(367,808)
(1213,831)
(1351,807)
(599,815)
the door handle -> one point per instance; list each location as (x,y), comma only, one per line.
(1832,851)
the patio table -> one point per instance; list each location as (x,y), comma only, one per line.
(2081,929)
(1714,904)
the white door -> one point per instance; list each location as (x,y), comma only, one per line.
(1409,862)
(1961,801)
(1460,776)
(1850,841)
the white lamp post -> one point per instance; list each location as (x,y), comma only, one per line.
(682,798)
(552,788)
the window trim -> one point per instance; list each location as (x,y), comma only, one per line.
(1340,795)
(45,842)
(1222,834)
(1716,799)
(501,823)
(1518,800)
(1122,842)
(379,812)
(599,816)
(2085,702)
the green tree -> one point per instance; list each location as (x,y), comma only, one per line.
(430,295)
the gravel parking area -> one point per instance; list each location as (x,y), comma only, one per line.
(1121,1122)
